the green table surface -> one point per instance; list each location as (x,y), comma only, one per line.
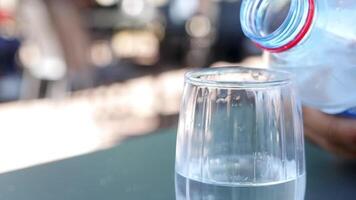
(143,169)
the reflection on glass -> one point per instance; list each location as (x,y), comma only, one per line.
(240,137)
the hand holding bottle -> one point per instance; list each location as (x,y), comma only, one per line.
(335,134)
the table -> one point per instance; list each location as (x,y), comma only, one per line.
(142,168)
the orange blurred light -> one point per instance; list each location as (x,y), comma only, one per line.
(141,45)
(100,54)
(198,26)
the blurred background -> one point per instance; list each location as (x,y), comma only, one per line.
(86,74)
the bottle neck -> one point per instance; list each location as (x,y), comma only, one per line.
(289,33)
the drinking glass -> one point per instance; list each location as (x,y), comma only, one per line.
(240,136)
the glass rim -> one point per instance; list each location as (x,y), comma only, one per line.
(194,77)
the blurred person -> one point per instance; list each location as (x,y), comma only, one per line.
(8,49)
(9,70)
(55,47)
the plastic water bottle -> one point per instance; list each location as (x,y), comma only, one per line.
(316,40)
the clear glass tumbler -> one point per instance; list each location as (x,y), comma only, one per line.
(240,136)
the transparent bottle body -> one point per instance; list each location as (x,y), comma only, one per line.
(240,143)
(324,61)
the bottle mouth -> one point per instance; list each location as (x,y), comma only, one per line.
(277,25)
